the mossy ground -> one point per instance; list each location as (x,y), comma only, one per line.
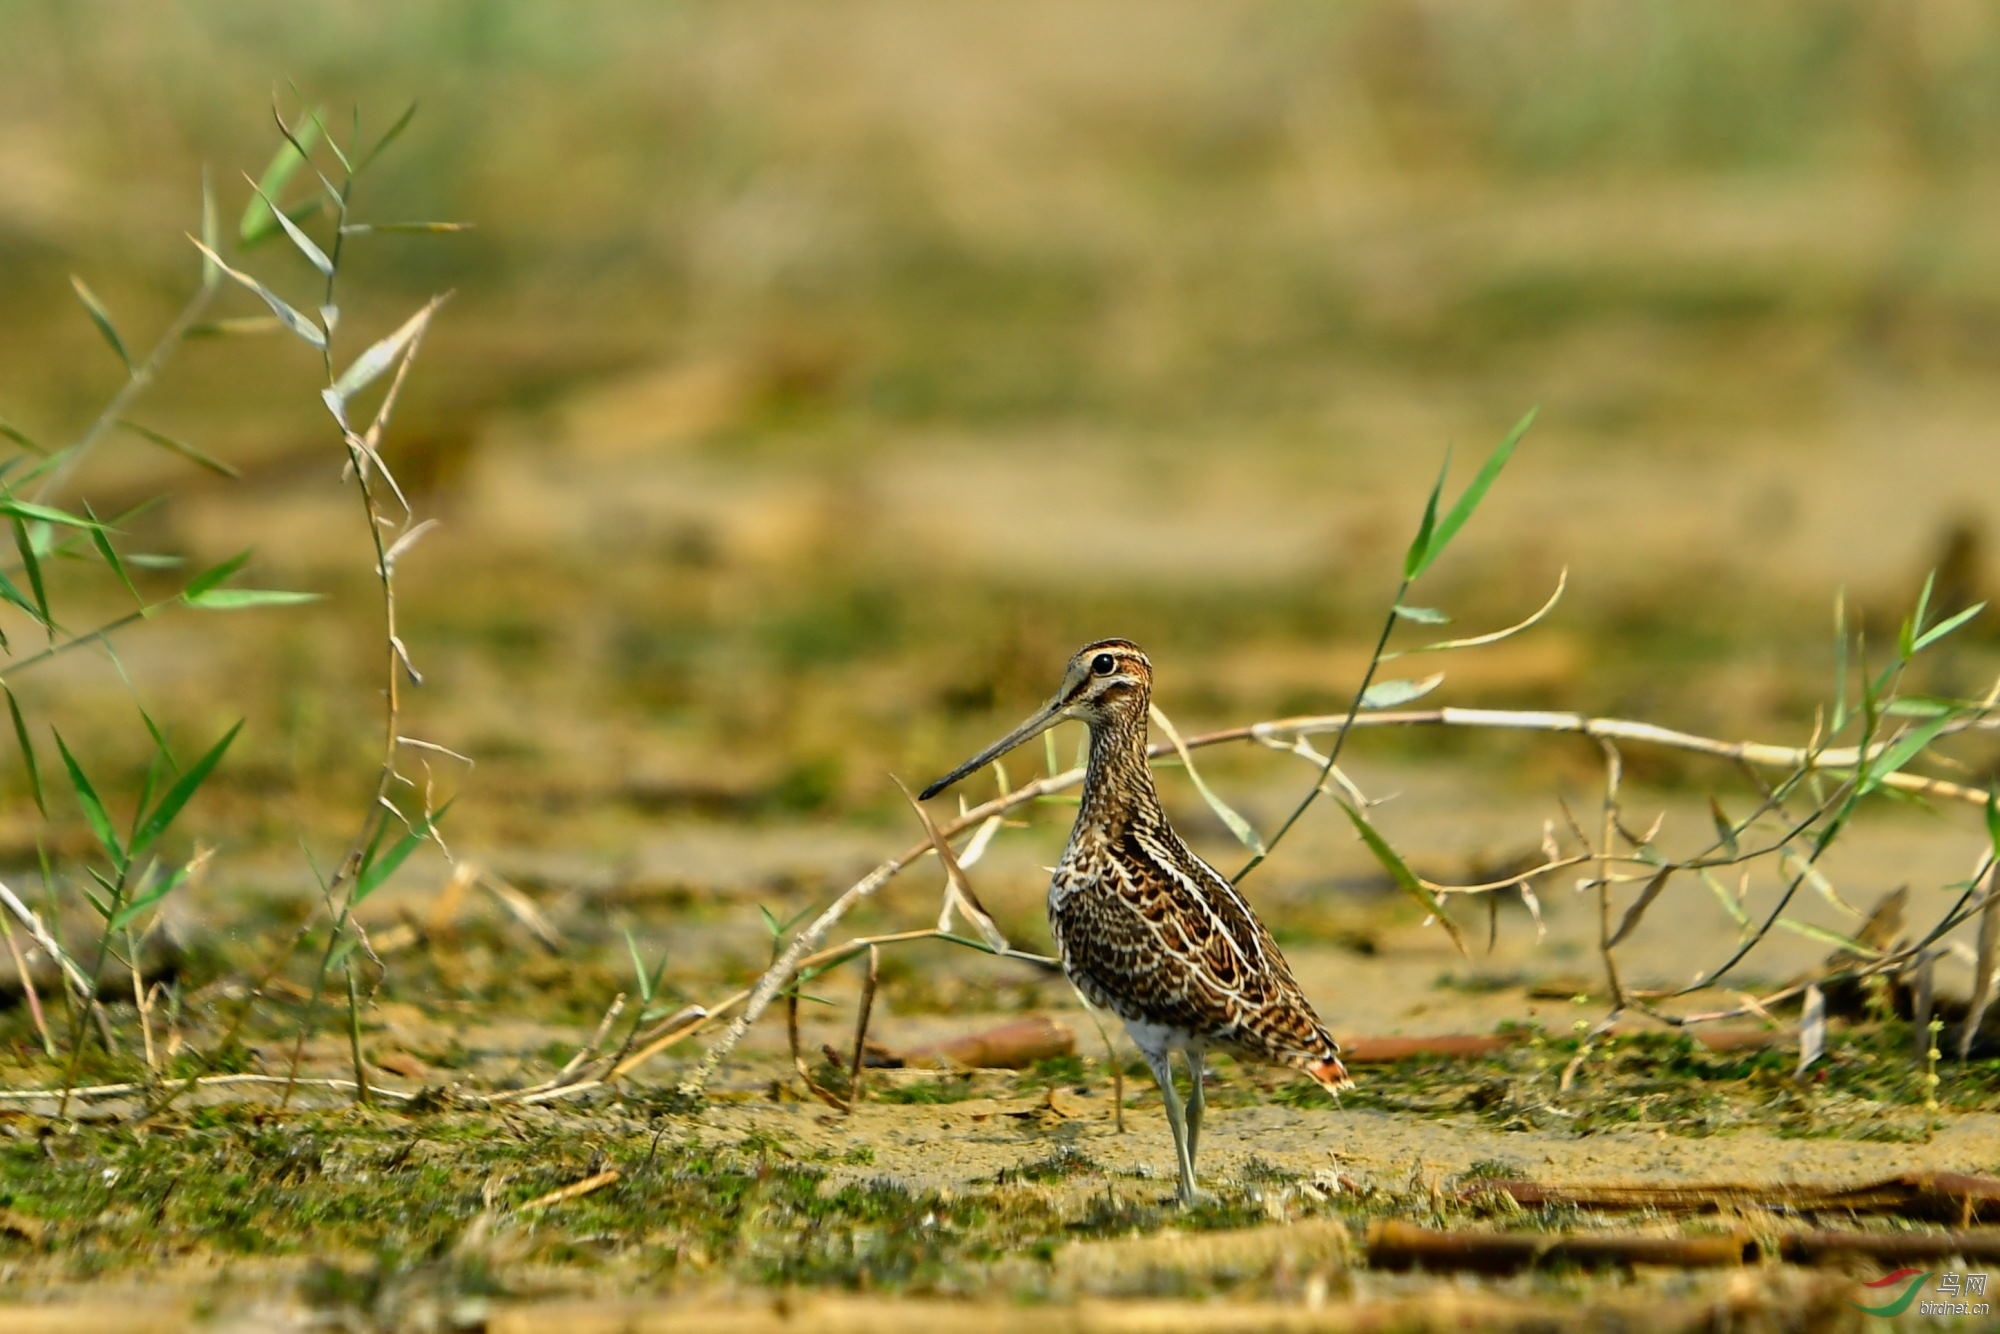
(956,1185)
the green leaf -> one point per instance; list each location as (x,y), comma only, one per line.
(215,574)
(180,447)
(32,564)
(326,136)
(1435,541)
(1945,627)
(28,509)
(93,809)
(639,964)
(373,876)
(102,541)
(33,768)
(175,797)
(20,437)
(101,317)
(237,599)
(1900,752)
(258,221)
(1829,937)
(289,316)
(9,592)
(389,136)
(1421,615)
(1388,694)
(1419,554)
(1405,878)
(1992,809)
(1245,832)
(304,244)
(374,871)
(1906,640)
(1922,706)
(130,913)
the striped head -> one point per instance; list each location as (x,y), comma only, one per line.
(1108,683)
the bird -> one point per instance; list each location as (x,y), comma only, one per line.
(1144,927)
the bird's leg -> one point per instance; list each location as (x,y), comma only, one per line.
(1162,1062)
(1197,1100)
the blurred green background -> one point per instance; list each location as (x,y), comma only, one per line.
(819,375)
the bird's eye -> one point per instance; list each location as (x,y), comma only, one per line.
(1103,664)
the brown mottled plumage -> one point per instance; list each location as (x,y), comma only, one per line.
(1145,928)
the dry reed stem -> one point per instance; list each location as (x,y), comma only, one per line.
(598,1181)
(774,978)
(854,1075)
(28,991)
(67,966)
(204,1081)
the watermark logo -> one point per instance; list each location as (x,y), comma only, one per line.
(1953,1289)
(1902,1303)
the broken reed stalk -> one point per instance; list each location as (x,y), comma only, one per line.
(861,1027)
(802,945)
(1396,1245)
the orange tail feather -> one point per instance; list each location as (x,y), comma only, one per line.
(1330,1074)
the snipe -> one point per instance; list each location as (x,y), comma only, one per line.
(1145,928)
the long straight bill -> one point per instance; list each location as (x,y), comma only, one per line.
(1046,717)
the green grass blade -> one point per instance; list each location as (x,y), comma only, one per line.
(180,447)
(215,574)
(93,809)
(130,913)
(10,592)
(237,599)
(258,221)
(177,796)
(304,244)
(389,136)
(28,761)
(20,437)
(101,317)
(1419,554)
(34,513)
(1900,752)
(1906,640)
(376,870)
(102,541)
(32,564)
(1405,878)
(1245,832)
(1468,501)
(645,979)
(1945,627)
(372,877)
